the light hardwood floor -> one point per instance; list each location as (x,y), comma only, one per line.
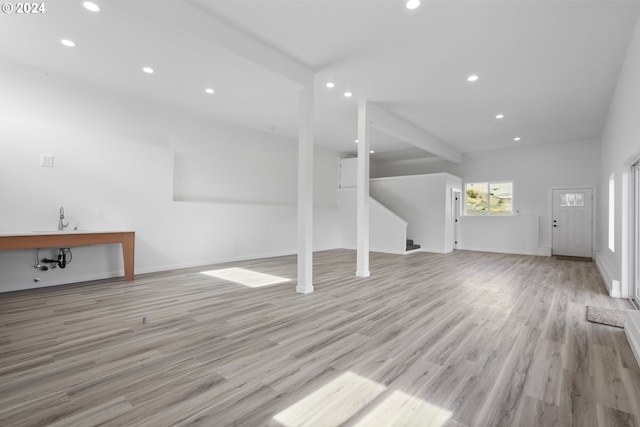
(467,338)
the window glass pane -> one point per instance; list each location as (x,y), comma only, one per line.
(476,198)
(501,198)
(571,199)
(563,199)
(579,199)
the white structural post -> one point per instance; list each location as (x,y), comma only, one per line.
(363,191)
(305,192)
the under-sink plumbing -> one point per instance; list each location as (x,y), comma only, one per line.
(38,265)
(63,259)
(61,224)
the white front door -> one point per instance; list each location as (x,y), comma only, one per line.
(572,222)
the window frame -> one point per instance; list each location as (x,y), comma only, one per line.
(489,184)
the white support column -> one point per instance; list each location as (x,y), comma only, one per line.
(363,191)
(305,192)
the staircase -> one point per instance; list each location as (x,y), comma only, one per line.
(411,246)
(387,231)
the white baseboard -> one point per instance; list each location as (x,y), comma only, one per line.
(202,263)
(538,252)
(387,251)
(384,251)
(534,252)
(65,281)
(432,250)
(632,331)
(612,284)
(413,251)
(152,269)
(205,262)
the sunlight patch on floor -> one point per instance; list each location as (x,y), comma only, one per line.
(249,278)
(402,409)
(347,395)
(332,404)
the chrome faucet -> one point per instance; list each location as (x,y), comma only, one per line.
(61,224)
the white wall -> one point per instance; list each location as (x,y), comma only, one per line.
(349,171)
(416,167)
(509,234)
(534,170)
(218,163)
(424,202)
(114,155)
(620,148)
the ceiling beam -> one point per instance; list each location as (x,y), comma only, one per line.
(407,132)
(202,23)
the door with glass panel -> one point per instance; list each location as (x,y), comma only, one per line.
(455,211)
(572,222)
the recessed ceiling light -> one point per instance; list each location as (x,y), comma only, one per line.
(371,151)
(517,138)
(67,43)
(331,85)
(348,94)
(209,90)
(148,70)
(91,6)
(500,116)
(413,4)
(472,78)
(356,141)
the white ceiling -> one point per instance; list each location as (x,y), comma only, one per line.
(549,66)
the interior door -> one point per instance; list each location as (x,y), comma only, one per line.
(456,199)
(572,222)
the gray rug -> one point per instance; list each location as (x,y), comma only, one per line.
(606,316)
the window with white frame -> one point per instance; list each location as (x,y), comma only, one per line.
(489,198)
